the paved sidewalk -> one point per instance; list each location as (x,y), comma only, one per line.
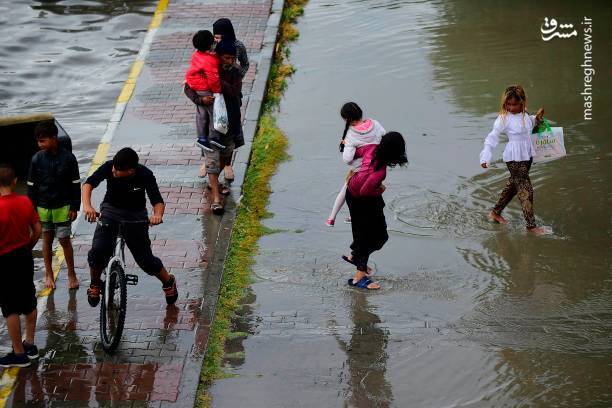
(158,363)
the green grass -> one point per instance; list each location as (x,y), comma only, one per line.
(269,149)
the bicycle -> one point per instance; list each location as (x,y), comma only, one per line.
(113,302)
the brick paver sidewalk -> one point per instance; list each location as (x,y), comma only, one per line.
(158,363)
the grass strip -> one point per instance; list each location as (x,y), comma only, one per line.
(269,149)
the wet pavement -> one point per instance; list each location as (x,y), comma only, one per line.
(159,359)
(470,313)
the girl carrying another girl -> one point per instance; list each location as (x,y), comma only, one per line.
(364,198)
(514,121)
(357,132)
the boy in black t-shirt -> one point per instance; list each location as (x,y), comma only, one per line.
(54,186)
(126,185)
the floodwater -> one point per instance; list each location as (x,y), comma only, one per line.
(70,58)
(471,313)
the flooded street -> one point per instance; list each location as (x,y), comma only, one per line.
(70,58)
(471,313)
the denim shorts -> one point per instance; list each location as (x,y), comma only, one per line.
(213,159)
(61,229)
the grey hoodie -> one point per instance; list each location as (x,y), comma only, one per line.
(369,132)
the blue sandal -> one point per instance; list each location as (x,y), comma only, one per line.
(362,284)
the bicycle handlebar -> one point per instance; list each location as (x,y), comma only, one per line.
(129,222)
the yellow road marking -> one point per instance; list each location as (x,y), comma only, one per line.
(99,158)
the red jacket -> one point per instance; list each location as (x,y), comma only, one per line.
(203,73)
(367,181)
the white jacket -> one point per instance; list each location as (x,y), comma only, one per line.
(368,132)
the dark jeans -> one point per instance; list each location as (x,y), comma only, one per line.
(136,238)
(204,119)
(369,227)
(519,184)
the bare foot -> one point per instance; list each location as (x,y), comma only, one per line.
(228,173)
(497,218)
(360,275)
(537,230)
(49,282)
(73,283)
(371,285)
(202,171)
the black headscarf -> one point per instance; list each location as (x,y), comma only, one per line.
(224,27)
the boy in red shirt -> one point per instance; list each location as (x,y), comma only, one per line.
(202,77)
(19,231)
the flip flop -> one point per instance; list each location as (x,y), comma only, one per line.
(217,208)
(369,272)
(349,260)
(362,284)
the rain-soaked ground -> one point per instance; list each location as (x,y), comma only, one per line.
(470,313)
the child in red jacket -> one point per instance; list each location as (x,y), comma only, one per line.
(202,77)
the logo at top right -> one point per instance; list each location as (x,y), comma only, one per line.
(551,29)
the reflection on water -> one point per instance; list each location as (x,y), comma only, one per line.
(366,357)
(69,58)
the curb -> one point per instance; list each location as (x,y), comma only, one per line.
(240,164)
(253,111)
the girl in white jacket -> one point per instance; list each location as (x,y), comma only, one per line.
(517,124)
(357,132)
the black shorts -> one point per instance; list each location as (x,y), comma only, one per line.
(136,238)
(17,292)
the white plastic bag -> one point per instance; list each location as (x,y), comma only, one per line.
(220,121)
(549,144)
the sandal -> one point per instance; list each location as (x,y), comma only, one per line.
(93,294)
(370,272)
(217,208)
(228,173)
(223,190)
(362,284)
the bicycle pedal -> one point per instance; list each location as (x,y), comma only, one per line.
(131,279)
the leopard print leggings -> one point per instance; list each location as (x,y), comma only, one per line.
(518,184)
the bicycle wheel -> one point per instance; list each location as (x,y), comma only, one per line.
(112,316)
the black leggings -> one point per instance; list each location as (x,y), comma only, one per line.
(137,240)
(519,184)
(369,227)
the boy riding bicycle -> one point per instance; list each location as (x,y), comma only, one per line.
(126,184)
